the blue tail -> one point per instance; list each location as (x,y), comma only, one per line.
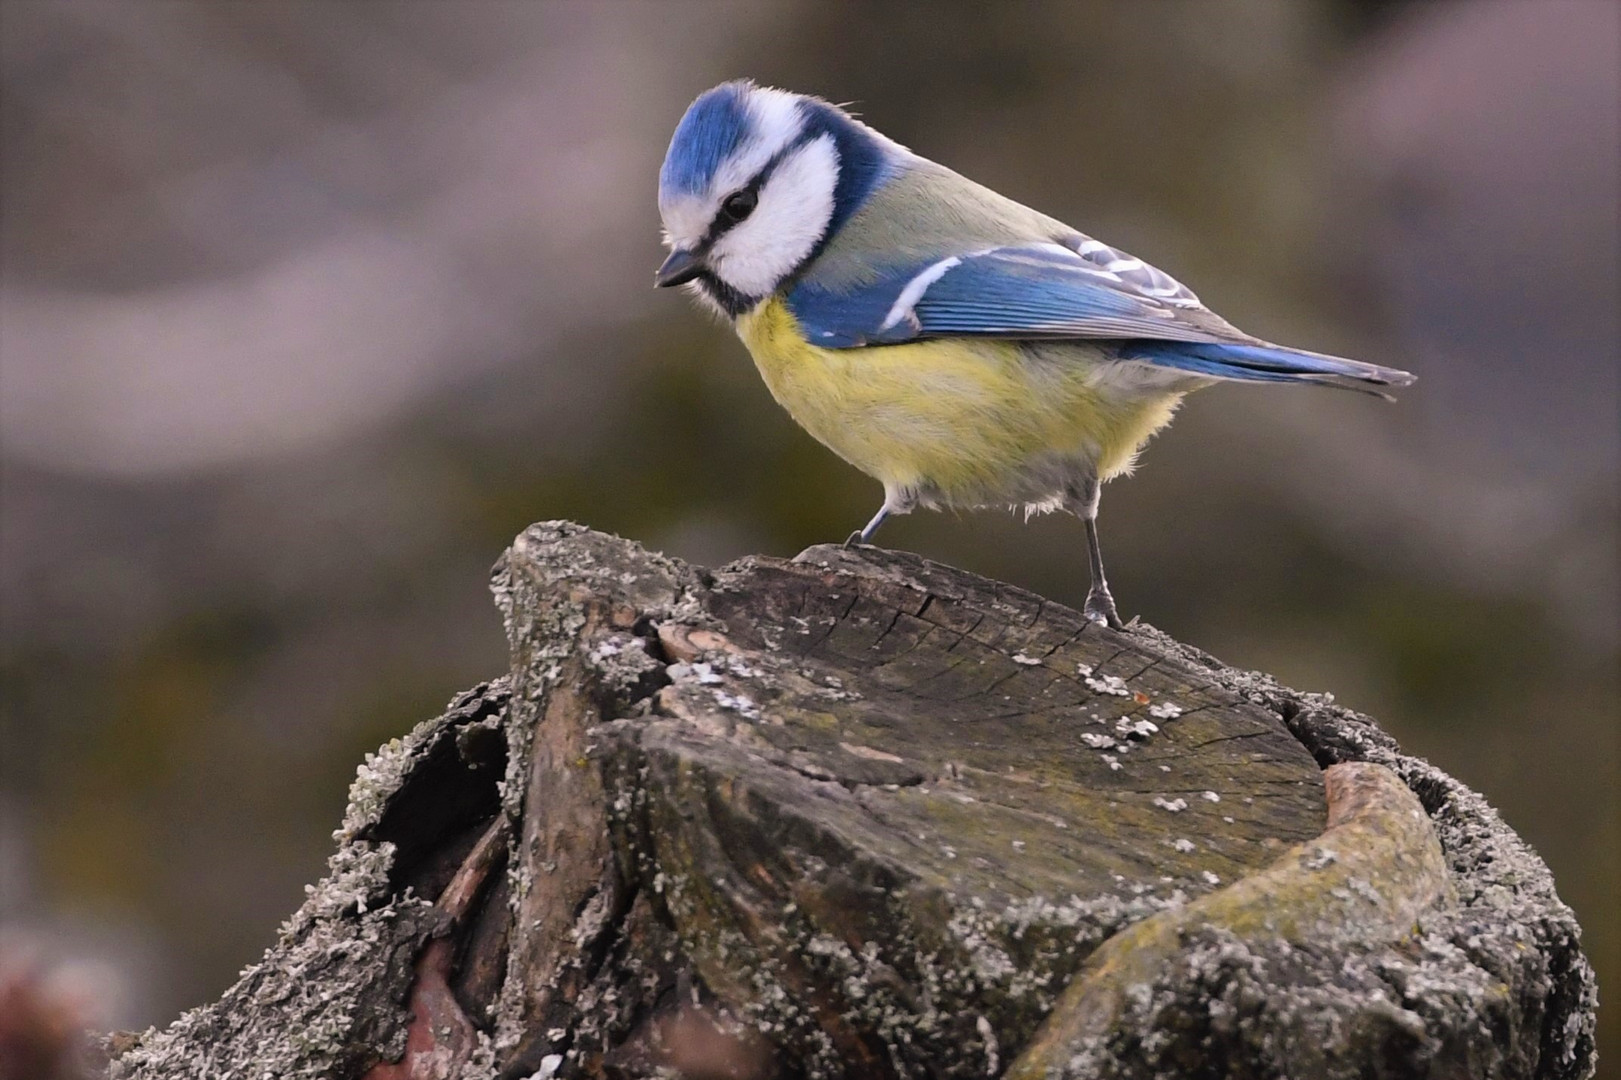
(1265,363)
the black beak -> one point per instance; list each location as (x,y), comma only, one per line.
(680,268)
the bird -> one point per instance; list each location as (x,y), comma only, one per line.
(961,348)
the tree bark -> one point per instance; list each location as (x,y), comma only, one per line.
(861,815)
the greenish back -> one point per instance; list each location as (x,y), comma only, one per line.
(927,212)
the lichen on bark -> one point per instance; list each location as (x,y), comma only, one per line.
(858,814)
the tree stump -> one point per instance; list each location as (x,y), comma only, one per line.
(862,815)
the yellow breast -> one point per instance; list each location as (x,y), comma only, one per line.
(960,415)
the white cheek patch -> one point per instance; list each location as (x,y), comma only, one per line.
(795,208)
(775,121)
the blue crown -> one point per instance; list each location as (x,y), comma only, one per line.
(708,134)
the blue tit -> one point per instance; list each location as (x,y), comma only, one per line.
(959,347)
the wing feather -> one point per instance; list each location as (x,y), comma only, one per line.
(1025,291)
(1048,291)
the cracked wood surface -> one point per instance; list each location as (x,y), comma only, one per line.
(860,815)
(971,739)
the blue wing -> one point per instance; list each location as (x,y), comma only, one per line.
(1050,291)
(1025,291)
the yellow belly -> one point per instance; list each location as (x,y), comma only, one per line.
(961,416)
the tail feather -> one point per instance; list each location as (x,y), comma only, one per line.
(1266,363)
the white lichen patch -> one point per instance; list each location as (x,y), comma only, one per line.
(992,1057)
(976,934)
(1320,858)
(1112,685)
(611,646)
(1026,661)
(738,703)
(380,775)
(1175,806)
(1165,710)
(738,666)
(822,685)
(702,672)
(1136,729)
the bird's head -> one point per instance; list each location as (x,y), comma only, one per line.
(754,182)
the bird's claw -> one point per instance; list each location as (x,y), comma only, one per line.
(1101,610)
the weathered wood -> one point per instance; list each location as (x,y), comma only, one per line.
(1321,894)
(861,815)
(954,777)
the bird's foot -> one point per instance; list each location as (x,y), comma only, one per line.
(1100,609)
(852,540)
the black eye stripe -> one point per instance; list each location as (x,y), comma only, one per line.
(737,206)
(724,221)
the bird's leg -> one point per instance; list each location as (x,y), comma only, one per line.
(864,535)
(1099,601)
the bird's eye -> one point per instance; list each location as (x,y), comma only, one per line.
(738,205)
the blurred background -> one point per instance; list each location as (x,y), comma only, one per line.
(308,308)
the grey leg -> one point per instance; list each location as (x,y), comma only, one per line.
(1099,601)
(865,534)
